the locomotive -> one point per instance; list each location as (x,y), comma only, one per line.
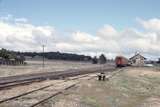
(121,61)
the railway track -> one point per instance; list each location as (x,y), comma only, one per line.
(38,89)
(12,81)
(61,92)
(47,87)
(53,95)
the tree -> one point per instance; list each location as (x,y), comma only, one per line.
(158,60)
(7,54)
(4,53)
(102,59)
(94,60)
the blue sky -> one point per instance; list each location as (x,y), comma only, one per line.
(85,15)
(91,27)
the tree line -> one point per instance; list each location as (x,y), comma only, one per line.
(7,54)
(57,56)
(10,58)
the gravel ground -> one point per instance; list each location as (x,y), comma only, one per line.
(32,98)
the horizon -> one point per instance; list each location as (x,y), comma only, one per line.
(84,27)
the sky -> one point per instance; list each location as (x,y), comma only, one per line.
(90,27)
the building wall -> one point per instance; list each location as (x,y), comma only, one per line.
(137,61)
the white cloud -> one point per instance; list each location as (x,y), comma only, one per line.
(152,24)
(28,37)
(6,18)
(21,20)
(67,47)
(83,37)
(107,32)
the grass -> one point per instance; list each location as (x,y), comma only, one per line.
(122,90)
(91,101)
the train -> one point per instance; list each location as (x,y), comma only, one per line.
(121,61)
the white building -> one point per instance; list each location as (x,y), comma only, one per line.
(137,60)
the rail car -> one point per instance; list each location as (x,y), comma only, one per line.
(121,61)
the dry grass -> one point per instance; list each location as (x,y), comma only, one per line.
(138,87)
(133,87)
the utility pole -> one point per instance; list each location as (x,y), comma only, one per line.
(43,55)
